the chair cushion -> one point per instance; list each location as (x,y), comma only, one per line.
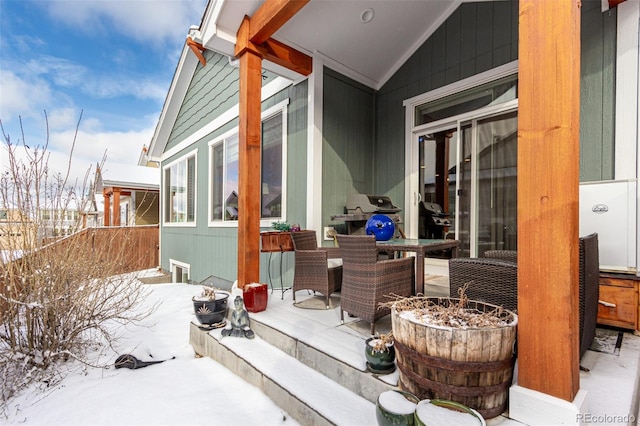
(334,263)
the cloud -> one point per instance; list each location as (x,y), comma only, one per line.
(22,97)
(154,22)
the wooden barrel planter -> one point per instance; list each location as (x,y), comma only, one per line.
(471,366)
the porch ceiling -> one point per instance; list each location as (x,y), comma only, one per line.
(333,29)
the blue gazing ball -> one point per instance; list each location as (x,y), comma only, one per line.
(381,226)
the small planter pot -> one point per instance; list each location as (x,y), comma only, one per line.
(446,412)
(208,311)
(396,407)
(379,362)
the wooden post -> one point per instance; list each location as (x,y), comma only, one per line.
(116,206)
(249,162)
(253,43)
(107,209)
(548,178)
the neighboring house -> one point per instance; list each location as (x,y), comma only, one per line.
(131,194)
(17,232)
(427,114)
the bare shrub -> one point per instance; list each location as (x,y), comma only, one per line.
(59,298)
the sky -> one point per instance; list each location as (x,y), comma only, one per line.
(107,63)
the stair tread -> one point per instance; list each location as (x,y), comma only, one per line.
(334,401)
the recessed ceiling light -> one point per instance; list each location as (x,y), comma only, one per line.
(367,15)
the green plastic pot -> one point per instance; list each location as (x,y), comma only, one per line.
(398,411)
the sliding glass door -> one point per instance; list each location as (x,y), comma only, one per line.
(486,216)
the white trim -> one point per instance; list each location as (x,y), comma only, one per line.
(173,263)
(411,190)
(324,60)
(190,224)
(459,86)
(283,108)
(173,102)
(314,147)
(269,90)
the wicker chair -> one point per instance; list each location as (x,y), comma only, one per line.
(492,281)
(316,268)
(589,289)
(510,255)
(367,282)
(498,292)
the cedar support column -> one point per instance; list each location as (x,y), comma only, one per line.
(116,206)
(249,160)
(548,178)
(107,209)
(253,44)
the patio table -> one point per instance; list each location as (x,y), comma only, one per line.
(421,247)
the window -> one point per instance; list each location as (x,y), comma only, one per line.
(180,271)
(179,186)
(224,171)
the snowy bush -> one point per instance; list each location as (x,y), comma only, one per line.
(58,299)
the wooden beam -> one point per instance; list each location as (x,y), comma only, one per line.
(249,153)
(106,219)
(272,50)
(271,16)
(548,178)
(252,33)
(116,207)
(197,48)
(283,55)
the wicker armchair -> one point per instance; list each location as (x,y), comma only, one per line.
(366,282)
(492,281)
(589,289)
(316,268)
(509,255)
(503,288)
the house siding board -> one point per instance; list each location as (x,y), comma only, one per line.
(472,40)
(213,251)
(213,90)
(348,131)
(297,154)
(597,85)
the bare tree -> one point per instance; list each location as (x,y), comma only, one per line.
(58,299)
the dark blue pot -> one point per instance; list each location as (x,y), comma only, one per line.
(211,311)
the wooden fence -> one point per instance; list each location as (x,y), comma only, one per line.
(130,248)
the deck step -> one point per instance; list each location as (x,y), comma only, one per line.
(285,379)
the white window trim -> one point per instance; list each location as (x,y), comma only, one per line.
(279,107)
(192,153)
(172,267)
(276,86)
(411,197)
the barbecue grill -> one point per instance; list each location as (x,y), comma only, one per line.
(433,221)
(360,207)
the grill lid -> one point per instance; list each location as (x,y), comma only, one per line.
(370,204)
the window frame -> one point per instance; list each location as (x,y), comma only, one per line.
(185,158)
(280,108)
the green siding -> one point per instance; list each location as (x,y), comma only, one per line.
(475,38)
(348,132)
(213,251)
(213,89)
(597,88)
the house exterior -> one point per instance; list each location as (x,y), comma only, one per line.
(439,124)
(17,232)
(130,194)
(383,139)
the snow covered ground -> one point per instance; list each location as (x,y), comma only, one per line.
(181,391)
